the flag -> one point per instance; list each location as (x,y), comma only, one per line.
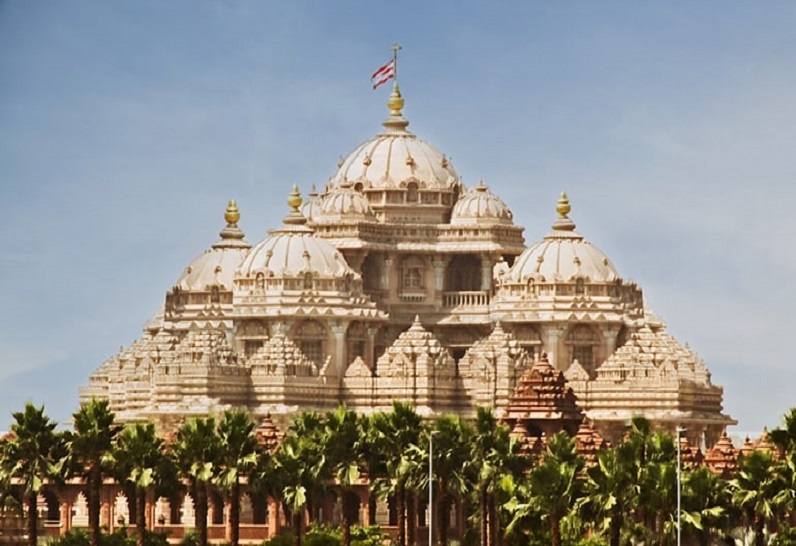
(383,74)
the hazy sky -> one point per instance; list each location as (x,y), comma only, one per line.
(126,126)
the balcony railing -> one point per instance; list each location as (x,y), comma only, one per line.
(472,298)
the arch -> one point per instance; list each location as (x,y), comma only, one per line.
(413,272)
(310,336)
(356,341)
(463,273)
(371,272)
(412,192)
(583,341)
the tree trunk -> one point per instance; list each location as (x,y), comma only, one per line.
(555,531)
(760,527)
(615,530)
(483,507)
(140,515)
(33,518)
(400,510)
(371,508)
(94,485)
(201,512)
(443,515)
(234,514)
(345,520)
(297,515)
(410,500)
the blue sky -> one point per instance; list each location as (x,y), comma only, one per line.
(126,126)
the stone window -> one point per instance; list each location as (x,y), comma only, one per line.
(583,343)
(411,192)
(413,275)
(311,337)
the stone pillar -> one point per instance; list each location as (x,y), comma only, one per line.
(486,273)
(338,331)
(440,263)
(552,337)
(66,515)
(386,273)
(273,517)
(370,348)
(609,342)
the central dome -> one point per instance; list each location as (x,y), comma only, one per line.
(394,159)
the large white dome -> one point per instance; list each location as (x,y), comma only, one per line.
(294,250)
(563,255)
(217,265)
(480,206)
(395,158)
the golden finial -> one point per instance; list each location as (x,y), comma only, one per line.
(232,214)
(396,102)
(563,207)
(294,199)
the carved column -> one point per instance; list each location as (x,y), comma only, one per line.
(486,273)
(386,272)
(273,517)
(66,514)
(552,341)
(609,343)
(439,263)
(370,349)
(339,330)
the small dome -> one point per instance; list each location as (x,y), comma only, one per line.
(480,206)
(344,203)
(563,255)
(395,158)
(217,265)
(294,250)
(311,208)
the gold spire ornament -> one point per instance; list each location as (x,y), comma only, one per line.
(232,214)
(563,207)
(294,199)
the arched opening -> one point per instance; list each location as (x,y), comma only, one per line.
(310,336)
(463,274)
(583,343)
(371,272)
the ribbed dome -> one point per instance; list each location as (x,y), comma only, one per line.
(311,208)
(480,206)
(294,250)
(344,203)
(395,158)
(563,255)
(217,265)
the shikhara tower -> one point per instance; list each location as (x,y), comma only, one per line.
(396,282)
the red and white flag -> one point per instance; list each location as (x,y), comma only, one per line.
(383,74)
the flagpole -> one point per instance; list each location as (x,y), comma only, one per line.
(395,48)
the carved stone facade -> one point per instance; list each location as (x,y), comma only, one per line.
(396,282)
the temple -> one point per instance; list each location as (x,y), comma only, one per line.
(398,282)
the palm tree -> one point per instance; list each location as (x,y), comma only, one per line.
(88,446)
(556,483)
(657,485)
(785,436)
(137,457)
(195,450)
(704,504)
(238,457)
(611,491)
(296,469)
(754,491)
(29,456)
(499,460)
(451,463)
(341,441)
(395,432)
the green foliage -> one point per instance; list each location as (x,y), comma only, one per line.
(282,539)
(80,537)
